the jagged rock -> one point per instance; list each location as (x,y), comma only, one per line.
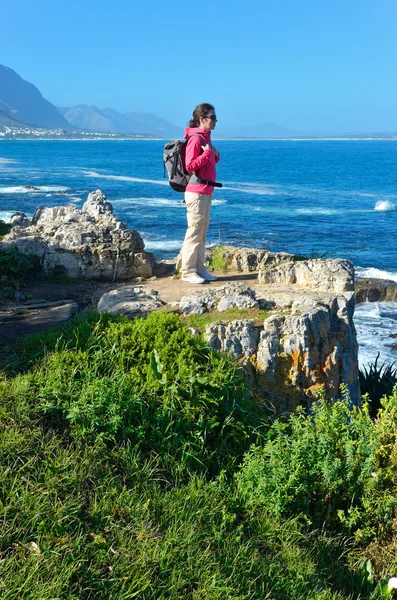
(239,338)
(197,304)
(237,301)
(131,300)
(375,290)
(19,219)
(246,260)
(87,244)
(97,206)
(230,295)
(328,275)
(295,355)
(314,347)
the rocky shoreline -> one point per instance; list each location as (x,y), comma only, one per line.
(302,339)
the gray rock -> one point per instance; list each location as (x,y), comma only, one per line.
(327,275)
(296,355)
(87,244)
(237,301)
(197,304)
(133,301)
(230,295)
(238,338)
(19,219)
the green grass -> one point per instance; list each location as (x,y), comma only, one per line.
(135,465)
(201,321)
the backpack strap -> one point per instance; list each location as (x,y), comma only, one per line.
(195,175)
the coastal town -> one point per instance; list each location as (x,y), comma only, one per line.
(29,132)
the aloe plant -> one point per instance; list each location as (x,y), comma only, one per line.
(377,381)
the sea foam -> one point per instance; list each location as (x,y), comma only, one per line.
(385,205)
(164,245)
(124,178)
(144,201)
(372,273)
(21,189)
(376,326)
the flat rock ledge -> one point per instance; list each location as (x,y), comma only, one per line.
(90,243)
(132,301)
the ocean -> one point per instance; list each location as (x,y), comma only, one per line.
(315,197)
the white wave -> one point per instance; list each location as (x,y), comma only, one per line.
(376,326)
(317,210)
(21,189)
(7,161)
(165,245)
(144,201)
(385,205)
(218,201)
(373,273)
(124,178)
(6,215)
(258,191)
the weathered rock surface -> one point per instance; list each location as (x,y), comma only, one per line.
(246,260)
(19,219)
(87,244)
(295,355)
(329,275)
(131,300)
(239,338)
(375,290)
(230,295)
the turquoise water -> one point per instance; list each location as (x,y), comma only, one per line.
(335,197)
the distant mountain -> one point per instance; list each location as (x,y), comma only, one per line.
(91,118)
(259,131)
(21,103)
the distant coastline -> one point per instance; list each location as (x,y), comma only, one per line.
(30,133)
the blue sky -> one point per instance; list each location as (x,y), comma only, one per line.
(310,65)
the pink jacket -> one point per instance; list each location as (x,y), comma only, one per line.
(197,160)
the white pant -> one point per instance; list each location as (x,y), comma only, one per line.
(198,218)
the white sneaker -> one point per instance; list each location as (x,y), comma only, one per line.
(193,278)
(208,276)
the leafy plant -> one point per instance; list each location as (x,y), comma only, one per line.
(4,228)
(217,261)
(377,381)
(313,254)
(14,264)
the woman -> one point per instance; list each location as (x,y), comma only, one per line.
(200,159)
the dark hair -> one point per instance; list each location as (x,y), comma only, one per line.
(201,110)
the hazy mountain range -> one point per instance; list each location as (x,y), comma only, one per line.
(22,104)
(91,118)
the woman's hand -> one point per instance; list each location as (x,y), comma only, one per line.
(206,147)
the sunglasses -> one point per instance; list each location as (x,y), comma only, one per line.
(212,117)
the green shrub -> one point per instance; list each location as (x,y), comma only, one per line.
(147,381)
(329,467)
(4,228)
(14,263)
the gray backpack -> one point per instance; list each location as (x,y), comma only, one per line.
(174,161)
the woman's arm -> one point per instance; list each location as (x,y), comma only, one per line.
(193,159)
